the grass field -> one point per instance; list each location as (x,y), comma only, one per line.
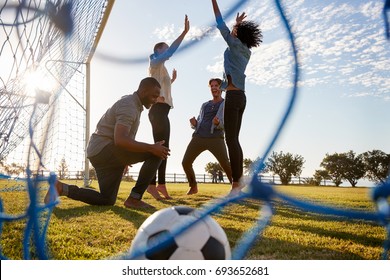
(81,231)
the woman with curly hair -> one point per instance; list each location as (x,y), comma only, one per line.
(244,36)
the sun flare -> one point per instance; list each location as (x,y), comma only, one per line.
(38,84)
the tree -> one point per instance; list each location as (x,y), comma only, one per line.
(344,166)
(212,168)
(92,173)
(335,167)
(247,162)
(63,169)
(376,164)
(354,168)
(249,165)
(2,165)
(14,169)
(127,175)
(320,175)
(285,166)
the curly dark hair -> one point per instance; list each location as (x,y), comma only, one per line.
(249,33)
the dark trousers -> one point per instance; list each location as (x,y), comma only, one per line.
(158,116)
(235,102)
(109,165)
(198,145)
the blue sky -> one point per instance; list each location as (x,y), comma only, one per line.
(344,90)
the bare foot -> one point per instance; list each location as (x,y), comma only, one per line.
(136,204)
(163,190)
(234,192)
(52,196)
(154,192)
(236,189)
(193,190)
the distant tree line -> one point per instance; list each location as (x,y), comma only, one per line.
(338,167)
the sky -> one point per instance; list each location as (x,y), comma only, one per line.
(344,89)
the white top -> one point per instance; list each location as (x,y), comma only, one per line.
(158,71)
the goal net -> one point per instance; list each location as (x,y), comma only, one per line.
(45,48)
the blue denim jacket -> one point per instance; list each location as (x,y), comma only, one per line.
(236,57)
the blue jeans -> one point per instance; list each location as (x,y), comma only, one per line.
(235,103)
(110,164)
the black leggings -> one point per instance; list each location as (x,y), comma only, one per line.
(158,116)
(235,103)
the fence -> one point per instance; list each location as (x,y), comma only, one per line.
(202,178)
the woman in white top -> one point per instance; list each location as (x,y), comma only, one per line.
(158,114)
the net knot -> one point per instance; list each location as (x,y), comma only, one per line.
(380,194)
(386,9)
(260,190)
(61,17)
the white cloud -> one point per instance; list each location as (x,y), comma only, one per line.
(217,67)
(372,10)
(338,43)
(166,33)
(169,33)
(270,66)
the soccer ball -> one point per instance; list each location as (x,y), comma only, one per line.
(205,240)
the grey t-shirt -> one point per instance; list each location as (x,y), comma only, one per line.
(125,111)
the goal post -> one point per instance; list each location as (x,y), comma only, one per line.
(99,34)
(46,49)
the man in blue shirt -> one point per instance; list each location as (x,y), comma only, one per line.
(208,135)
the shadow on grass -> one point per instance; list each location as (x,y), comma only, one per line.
(277,249)
(345,234)
(135,216)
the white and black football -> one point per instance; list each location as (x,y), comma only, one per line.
(205,240)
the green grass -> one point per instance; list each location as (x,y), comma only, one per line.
(81,231)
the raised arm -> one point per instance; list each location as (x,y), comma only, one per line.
(217,12)
(179,39)
(240,18)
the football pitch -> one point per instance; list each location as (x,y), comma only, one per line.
(80,231)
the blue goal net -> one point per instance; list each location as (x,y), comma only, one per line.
(52,42)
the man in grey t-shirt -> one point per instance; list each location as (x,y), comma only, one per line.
(113,146)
